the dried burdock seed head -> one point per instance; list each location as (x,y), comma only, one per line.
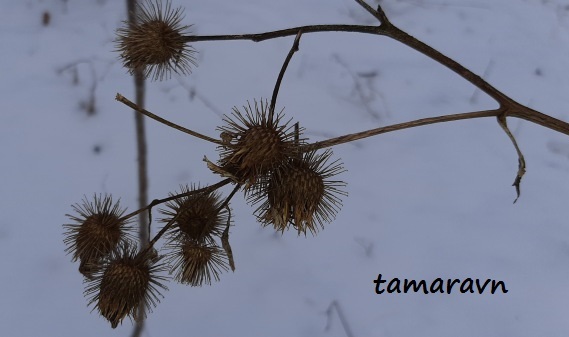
(155,43)
(199,216)
(196,263)
(254,144)
(126,280)
(97,232)
(300,193)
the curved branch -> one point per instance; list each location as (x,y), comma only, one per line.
(407,125)
(293,49)
(389,30)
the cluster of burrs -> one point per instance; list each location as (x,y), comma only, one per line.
(259,153)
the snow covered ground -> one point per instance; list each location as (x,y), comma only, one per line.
(423,203)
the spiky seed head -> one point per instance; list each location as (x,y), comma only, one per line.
(126,280)
(254,144)
(196,263)
(97,232)
(155,42)
(199,216)
(300,193)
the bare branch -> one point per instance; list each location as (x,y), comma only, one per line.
(284,32)
(379,14)
(531,115)
(147,113)
(382,16)
(407,125)
(515,110)
(144,222)
(293,49)
(155,202)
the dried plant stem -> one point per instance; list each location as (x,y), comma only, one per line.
(207,189)
(386,28)
(155,202)
(162,231)
(378,14)
(141,150)
(285,32)
(519,111)
(134,106)
(229,197)
(507,106)
(407,125)
(281,74)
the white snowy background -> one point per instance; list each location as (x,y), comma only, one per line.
(423,203)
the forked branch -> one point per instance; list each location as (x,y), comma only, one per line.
(388,29)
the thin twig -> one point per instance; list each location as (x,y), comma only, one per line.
(419,122)
(155,202)
(169,224)
(142,167)
(486,73)
(141,150)
(391,31)
(293,49)
(284,32)
(378,14)
(382,16)
(162,231)
(229,197)
(147,113)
